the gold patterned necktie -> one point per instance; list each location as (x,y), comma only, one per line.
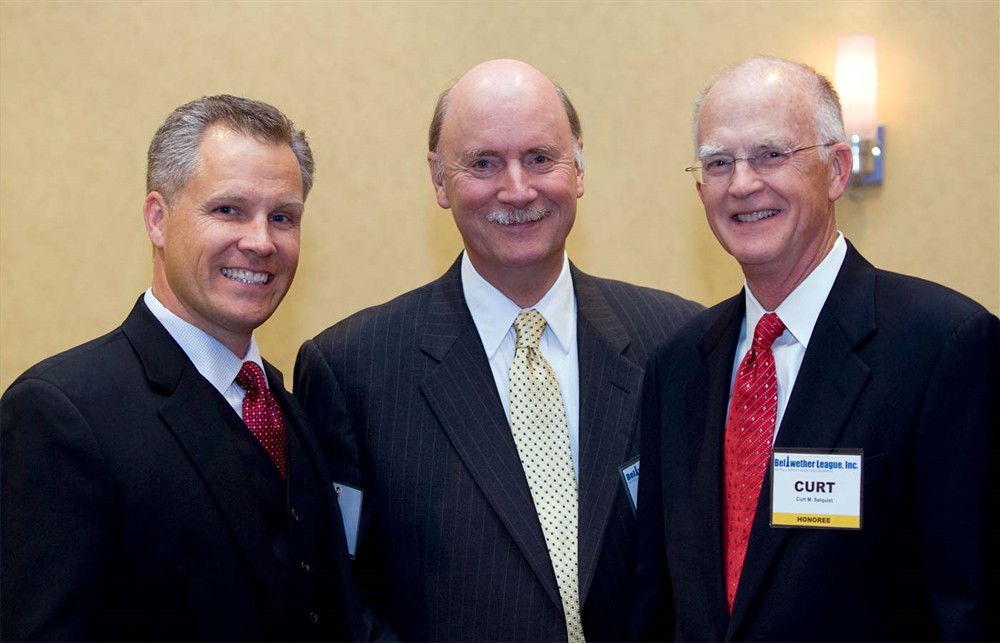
(753,409)
(538,422)
(261,413)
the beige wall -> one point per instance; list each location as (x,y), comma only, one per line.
(83,86)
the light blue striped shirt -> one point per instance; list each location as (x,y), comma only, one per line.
(214,361)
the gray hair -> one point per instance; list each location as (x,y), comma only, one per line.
(437,121)
(828,120)
(173,155)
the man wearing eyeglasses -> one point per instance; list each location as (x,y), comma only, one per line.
(817,451)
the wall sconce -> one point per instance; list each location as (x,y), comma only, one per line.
(857,83)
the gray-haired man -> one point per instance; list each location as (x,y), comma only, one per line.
(159,482)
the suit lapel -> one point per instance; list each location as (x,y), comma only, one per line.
(827,387)
(202,422)
(463,395)
(295,422)
(707,402)
(832,373)
(609,391)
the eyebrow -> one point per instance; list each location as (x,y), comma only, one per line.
(477,153)
(708,150)
(223,198)
(544,148)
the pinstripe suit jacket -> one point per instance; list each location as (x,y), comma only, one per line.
(450,546)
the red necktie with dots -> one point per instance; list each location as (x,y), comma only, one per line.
(753,410)
(261,414)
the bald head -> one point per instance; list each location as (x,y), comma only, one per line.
(796,82)
(506,159)
(497,79)
(774,212)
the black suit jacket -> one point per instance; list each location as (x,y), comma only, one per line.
(406,408)
(137,505)
(902,368)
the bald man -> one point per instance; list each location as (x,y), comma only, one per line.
(820,448)
(411,398)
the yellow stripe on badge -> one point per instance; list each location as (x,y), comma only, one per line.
(815,520)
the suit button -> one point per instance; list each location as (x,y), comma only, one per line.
(295,514)
(306,567)
(313,617)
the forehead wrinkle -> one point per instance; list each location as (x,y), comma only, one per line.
(771,143)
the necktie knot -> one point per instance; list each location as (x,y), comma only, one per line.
(769,328)
(529,327)
(251,378)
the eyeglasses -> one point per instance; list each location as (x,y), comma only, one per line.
(719,169)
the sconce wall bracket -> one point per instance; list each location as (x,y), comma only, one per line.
(869,161)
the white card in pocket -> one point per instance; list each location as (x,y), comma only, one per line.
(349,499)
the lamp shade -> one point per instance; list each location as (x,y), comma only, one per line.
(856,78)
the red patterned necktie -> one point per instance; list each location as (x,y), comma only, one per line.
(753,409)
(261,414)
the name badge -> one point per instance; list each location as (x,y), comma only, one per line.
(816,488)
(349,498)
(630,478)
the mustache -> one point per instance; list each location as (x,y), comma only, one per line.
(513,217)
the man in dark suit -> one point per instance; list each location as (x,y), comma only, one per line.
(137,504)
(872,511)
(410,398)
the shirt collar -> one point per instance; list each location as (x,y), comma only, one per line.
(800,309)
(494,314)
(214,361)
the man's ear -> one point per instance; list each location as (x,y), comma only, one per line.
(841,164)
(154,214)
(437,179)
(578,160)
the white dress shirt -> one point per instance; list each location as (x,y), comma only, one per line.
(494,315)
(214,361)
(799,312)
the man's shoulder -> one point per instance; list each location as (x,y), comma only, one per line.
(706,324)
(403,314)
(900,303)
(87,360)
(914,311)
(647,316)
(100,374)
(931,299)
(629,296)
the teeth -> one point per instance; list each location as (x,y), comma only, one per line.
(512,217)
(245,276)
(755,216)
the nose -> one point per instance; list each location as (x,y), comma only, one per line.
(256,236)
(517,188)
(745,180)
